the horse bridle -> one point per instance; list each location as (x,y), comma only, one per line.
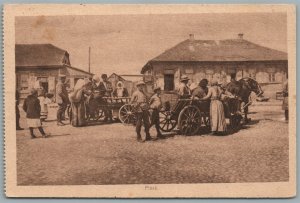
(260,91)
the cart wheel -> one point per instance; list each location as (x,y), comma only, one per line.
(189,120)
(166,121)
(126,114)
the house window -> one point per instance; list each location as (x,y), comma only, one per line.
(271,77)
(169,82)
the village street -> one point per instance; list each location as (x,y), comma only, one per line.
(109,154)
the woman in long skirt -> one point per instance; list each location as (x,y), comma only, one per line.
(78,105)
(217,116)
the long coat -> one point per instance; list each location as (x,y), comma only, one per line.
(32,107)
(61,93)
(106,91)
(285,90)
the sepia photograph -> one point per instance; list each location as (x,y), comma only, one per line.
(151,97)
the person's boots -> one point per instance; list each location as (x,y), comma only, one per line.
(148,137)
(159,135)
(31,133)
(139,138)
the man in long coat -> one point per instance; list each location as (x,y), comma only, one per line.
(62,98)
(106,91)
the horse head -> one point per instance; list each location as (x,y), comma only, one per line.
(252,85)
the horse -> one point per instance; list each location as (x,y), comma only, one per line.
(242,89)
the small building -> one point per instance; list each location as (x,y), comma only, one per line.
(217,59)
(128,80)
(42,63)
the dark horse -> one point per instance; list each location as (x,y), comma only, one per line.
(243,89)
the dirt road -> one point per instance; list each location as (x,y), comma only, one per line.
(109,154)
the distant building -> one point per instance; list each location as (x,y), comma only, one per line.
(128,80)
(217,59)
(42,63)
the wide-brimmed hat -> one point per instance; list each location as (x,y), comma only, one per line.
(184,78)
(156,89)
(61,76)
(140,83)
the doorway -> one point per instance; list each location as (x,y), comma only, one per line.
(169,82)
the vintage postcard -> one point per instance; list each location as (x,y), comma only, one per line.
(150,101)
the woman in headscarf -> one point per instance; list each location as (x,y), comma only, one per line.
(217,116)
(120,90)
(77,99)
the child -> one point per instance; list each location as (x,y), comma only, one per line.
(139,100)
(155,105)
(44,101)
(33,109)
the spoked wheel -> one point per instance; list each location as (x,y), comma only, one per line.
(126,114)
(166,121)
(189,120)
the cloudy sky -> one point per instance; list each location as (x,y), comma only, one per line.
(124,43)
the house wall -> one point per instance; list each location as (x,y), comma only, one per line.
(269,74)
(28,78)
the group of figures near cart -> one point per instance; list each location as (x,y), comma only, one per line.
(195,107)
(92,99)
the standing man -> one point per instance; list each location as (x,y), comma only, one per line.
(155,105)
(184,91)
(62,98)
(139,100)
(106,91)
(285,103)
(97,87)
(18,111)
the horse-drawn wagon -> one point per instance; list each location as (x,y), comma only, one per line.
(189,115)
(95,107)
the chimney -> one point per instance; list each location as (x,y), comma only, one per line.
(192,37)
(240,35)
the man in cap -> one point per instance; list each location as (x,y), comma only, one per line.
(62,98)
(106,91)
(139,101)
(155,105)
(184,91)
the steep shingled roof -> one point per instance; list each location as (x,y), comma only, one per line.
(34,55)
(218,50)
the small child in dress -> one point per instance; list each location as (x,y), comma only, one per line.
(32,108)
(44,101)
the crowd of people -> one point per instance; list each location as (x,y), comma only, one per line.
(94,90)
